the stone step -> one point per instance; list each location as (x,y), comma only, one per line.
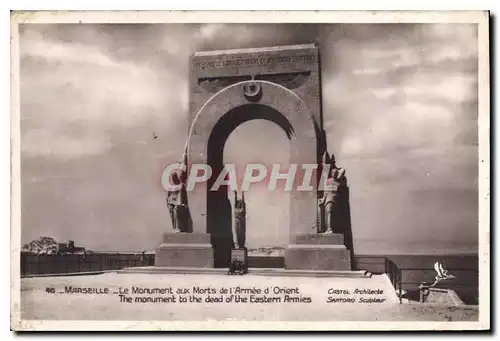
(251,271)
(174,270)
(310,273)
(321,239)
(317,246)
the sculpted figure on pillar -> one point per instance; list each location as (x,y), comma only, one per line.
(177,200)
(329,202)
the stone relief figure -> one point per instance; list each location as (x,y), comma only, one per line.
(177,203)
(240,219)
(329,202)
(442,274)
(426,287)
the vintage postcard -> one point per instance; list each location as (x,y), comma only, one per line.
(250,171)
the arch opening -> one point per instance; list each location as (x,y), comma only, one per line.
(211,127)
(219,207)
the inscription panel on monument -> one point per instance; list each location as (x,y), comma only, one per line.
(251,62)
(257,61)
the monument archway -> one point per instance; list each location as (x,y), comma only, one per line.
(218,207)
(280,84)
(261,142)
(219,116)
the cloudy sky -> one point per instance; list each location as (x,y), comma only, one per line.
(399,105)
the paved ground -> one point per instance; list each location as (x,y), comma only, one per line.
(45,299)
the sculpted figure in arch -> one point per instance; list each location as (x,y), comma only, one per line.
(329,202)
(240,219)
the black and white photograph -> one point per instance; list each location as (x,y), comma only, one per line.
(246,170)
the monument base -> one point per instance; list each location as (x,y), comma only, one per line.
(318,252)
(185,250)
(239,261)
(240,254)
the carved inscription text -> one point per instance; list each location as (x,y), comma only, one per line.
(249,62)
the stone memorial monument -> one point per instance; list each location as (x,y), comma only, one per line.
(282,85)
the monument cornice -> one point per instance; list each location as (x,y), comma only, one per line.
(255,50)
